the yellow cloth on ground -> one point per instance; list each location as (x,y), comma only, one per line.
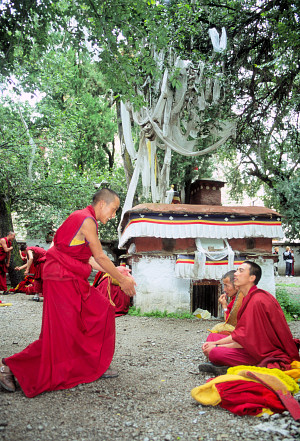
(208,394)
(295,371)
(276,379)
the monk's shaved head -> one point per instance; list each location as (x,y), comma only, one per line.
(105,194)
(230,276)
(254,270)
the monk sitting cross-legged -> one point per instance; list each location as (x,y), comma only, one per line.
(262,336)
(77,339)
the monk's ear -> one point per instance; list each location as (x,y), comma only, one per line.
(101,203)
(252,279)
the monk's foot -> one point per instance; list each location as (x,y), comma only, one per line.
(5,293)
(7,380)
(36,298)
(213,368)
(110,373)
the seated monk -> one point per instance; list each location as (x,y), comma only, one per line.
(231,309)
(23,286)
(262,336)
(111,289)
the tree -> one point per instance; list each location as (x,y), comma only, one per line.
(260,68)
(263,65)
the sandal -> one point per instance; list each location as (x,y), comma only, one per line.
(110,374)
(7,380)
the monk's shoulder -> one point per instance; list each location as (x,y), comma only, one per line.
(262,298)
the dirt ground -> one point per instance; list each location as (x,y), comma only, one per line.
(157,360)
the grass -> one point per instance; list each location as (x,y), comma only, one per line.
(160,314)
(289,305)
(288,285)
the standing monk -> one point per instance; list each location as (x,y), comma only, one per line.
(77,339)
(262,336)
(5,253)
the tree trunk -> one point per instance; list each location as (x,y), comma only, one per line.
(6,226)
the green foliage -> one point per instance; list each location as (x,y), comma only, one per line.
(290,306)
(160,314)
(45,45)
(73,126)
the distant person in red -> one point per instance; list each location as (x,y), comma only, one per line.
(23,286)
(23,253)
(36,258)
(111,289)
(262,336)
(5,253)
(77,339)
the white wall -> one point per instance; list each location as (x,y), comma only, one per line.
(157,287)
(267,281)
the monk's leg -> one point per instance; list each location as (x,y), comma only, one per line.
(231,357)
(213,336)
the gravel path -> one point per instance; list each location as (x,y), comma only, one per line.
(150,400)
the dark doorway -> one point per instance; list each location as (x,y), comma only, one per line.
(205,296)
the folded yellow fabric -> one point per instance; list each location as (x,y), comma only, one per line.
(208,394)
(275,378)
(295,371)
(221,327)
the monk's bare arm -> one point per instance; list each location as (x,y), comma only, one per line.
(89,232)
(29,261)
(226,342)
(95,265)
(19,268)
(5,247)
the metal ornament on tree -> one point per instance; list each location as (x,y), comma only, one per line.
(164,123)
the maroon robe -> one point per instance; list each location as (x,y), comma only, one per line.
(116,295)
(229,307)
(39,259)
(24,285)
(3,266)
(263,332)
(77,340)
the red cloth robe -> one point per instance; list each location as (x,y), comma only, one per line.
(24,285)
(118,297)
(229,307)
(39,259)
(263,332)
(247,398)
(3,266)
(77,340)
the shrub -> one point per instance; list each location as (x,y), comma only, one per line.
(290,307)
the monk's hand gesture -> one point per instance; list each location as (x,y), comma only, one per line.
(207,347)
(222,300)
(128,286)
